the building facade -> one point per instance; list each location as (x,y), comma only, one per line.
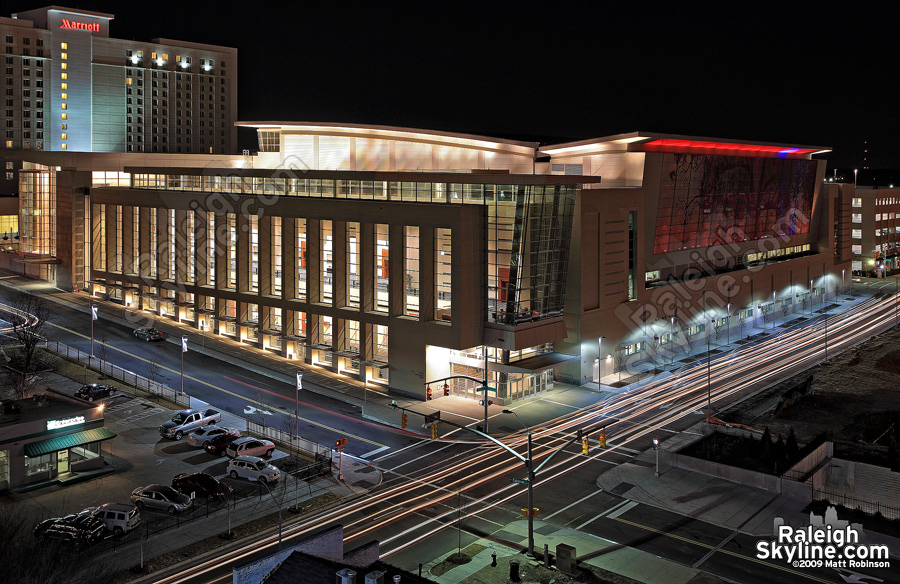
(428,260)
(875,230)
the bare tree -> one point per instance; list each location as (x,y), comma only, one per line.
(25,361)
(620,359)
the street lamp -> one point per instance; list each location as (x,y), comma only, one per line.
(728,323)
(297,413)
(529,464)
(486,387)
(184,341)
(708,381)
(656,448)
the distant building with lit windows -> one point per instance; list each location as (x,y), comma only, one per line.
(403,256)
(875,230)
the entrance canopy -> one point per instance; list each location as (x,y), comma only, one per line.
(534,364)
(68,441)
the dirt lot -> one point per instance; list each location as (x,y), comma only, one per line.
(856,396)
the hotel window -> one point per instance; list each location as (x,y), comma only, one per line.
(64,86)
(154,244)
(65,96)
(300,228)
(382,275)
(856,202)
(65,106)
(857,234)
(856,249)
(878,216)
(64,76)
(254,253)
(210,249)
(352,263)
(411,271)
(63,66)
(856,217)
(190,230)
(64,55)
(64,46)
(128,81)
(64,136)
(64,146)
(171,243)
(231,280)
(877,233)
(326,266)
(442,274)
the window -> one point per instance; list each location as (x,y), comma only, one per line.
(857,234)
(856,202)
(411,269)
(696,329)
(856,249)
(442,274)
(878,216)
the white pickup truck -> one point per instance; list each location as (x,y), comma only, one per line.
(187,421)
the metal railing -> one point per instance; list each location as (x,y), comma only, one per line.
(281,437)
(114,371)
(868,507)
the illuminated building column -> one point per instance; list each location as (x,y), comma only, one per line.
(181,247)
(128,251)
(289,259)
(366,267)
(243,255)
(396,266)
(313,262)
(339,264)
(201,245)
(265,256)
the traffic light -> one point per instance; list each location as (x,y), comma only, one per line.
(434,431)
(490,402)
(446,390)
(340,442)
(603,438)
(428,393)
(403,420)
(585,447)
(536,511)
(524,512)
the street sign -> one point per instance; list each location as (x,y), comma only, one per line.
(518,481)
(184,344)
(486,388)
(93,312)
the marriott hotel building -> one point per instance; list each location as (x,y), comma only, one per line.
(403,255)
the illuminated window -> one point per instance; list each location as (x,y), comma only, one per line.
(63,46)
(63,76)
(63,66)
(65,106)
(65,116)
(64,86)
(64,146)
(857,202)
(9,143)
(857,234)
(64,55)
(65,96)
(65,136)
(128,81)
(856,217)
(65,127)
(856,249)
(153,55)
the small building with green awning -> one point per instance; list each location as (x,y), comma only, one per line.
(50,438)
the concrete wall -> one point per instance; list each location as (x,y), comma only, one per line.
(863,481)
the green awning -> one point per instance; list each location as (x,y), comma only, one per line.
(68,441)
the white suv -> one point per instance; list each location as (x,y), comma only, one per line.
(118,517)
(252,468)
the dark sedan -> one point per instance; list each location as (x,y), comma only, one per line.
(149,334)
(79,530)
(95,391)
(217,444)
(202,485)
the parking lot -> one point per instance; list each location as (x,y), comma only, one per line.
(140,456)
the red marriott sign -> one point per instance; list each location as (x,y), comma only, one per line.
(91,26)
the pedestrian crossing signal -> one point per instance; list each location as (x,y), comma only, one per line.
(603,438)
(585,447)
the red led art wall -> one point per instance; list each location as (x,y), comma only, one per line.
(708,200)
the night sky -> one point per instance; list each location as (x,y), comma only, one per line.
(785,73)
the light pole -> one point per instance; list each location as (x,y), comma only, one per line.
(774,314)
(656,448)
(529,464)
(94,309)
(184,340)
(825,312)
(810,298)
(708,382)
(297,412)
(728,323)
(486,387)
(672,337)
(843,286)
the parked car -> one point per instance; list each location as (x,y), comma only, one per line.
(117,517)
(149,334)
(217,444)
(253,468)
(250,446)
(79,530)
(95,391)
(199,438)
(203,485)
(187,420)
(160,497)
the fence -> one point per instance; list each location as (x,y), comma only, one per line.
(868,507)
(287,492)
(318,451)
(116,372)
